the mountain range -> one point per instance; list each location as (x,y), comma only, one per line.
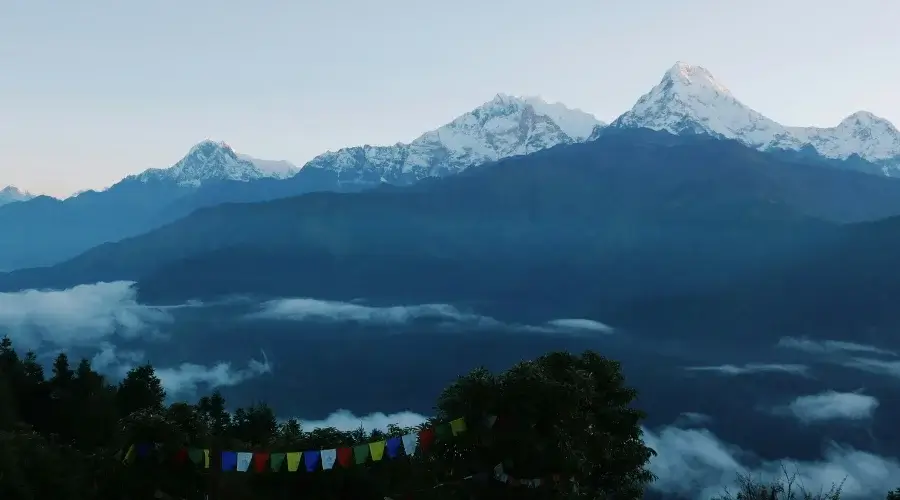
(12,194)
(617,229)
(687,100)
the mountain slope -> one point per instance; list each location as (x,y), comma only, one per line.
(632,194)
(11,194)
(688,99)
(845,289)
(48,230)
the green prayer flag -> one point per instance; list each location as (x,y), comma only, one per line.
(196,455)
(360,453)
(442,432)
(275,461)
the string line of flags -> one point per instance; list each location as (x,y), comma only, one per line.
(312,460)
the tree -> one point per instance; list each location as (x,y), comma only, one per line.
(140,390)
(558,414)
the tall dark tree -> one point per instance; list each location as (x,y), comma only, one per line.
(212,410)
(140,390)
(558,414)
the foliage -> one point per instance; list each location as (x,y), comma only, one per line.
(63,436)
(785,488)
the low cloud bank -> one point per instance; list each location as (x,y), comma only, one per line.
(448,316)
(830,346)
(81,315)
(344,420)
(862,357)
(876,366)
(183,380)
(188,378)
(694,463)
(829,406)
(752,368)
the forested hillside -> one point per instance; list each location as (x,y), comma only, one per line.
(563,419)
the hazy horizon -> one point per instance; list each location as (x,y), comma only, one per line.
(92,92)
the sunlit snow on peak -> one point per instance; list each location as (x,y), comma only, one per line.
(689,74)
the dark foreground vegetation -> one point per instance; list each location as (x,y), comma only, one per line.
(560,416)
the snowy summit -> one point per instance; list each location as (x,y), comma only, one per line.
(11,194)
(502,127)
(208,160)
(689,99)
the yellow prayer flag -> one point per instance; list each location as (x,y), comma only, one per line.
(128,454)
(377,450)
(458,426)
(293,460)
(206,459)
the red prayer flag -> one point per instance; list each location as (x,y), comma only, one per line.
(180,456)
(426,437)
(345,456)
(260,459)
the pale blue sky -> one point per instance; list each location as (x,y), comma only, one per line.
(93,90)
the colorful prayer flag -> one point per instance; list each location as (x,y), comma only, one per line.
(393,446)
(409,444)
(458,426)
(328,458)
(360,454)
(276,460)
(442,432)
(229,460)
(345,456)
(260,460)
(243,461)
(377,449)
(312,460)
(196,455)
(426,437)
(293,460)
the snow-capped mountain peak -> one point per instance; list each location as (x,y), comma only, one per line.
(689,99)
(698,77)
(207,160)
(11,194)
(863,133)
(505,126)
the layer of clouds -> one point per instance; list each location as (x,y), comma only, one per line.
(187,378)
(690,418)
(306,309)
(346,421)
(752,368)
(877,366)
(830,346)
(831,405)
(694,463)
(81,315)
(111,360)
(863,357)
(181,381)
